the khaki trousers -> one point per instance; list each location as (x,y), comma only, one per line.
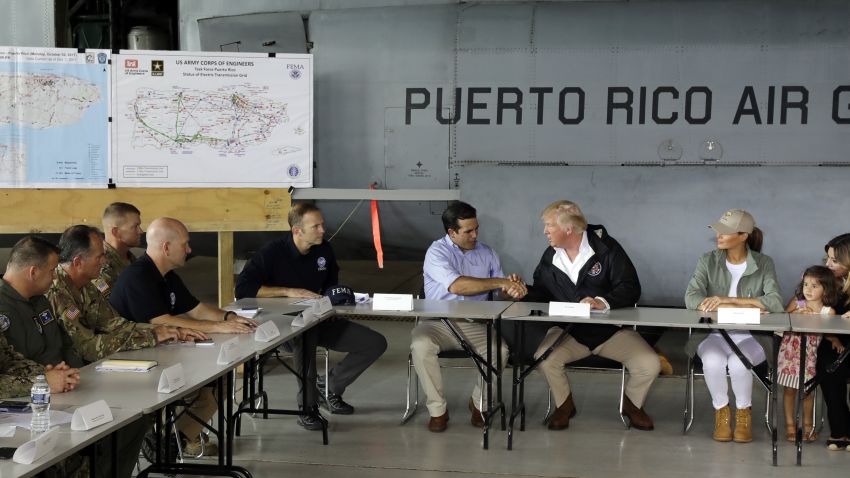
(431,337)
(203,405)
(626,346)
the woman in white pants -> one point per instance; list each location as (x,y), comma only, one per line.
(736,274)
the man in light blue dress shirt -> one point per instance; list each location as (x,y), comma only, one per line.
(457,267)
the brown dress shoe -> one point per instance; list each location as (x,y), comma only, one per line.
(439,424)
(477,418)
(637,417)
(561,418)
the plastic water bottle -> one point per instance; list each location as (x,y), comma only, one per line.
(40,404)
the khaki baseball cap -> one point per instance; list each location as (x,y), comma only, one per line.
(733,221)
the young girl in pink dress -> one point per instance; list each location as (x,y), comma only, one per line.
(816,294)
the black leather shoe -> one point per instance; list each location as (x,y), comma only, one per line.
(310,422)
(335,404)
(149,448)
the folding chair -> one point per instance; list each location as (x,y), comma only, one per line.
(763,372)
(412,398)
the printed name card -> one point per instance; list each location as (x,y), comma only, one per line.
(228,350)
(319,310)
(36,448)
(323,306)
(266,332)
(402,302)
(171,379)
(735,315)
(91,415)
(569,309)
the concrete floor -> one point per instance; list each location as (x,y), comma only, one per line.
(372,443)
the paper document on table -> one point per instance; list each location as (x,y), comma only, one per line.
(22,420)
(307,302)
(7,431)
(119,365)
(248,313)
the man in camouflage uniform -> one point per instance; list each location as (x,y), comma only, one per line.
(26,319)
(96,329)
(122,229)
(17,373)
(16,377)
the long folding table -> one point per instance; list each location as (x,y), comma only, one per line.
(277,311)
(811,324)
(637,316)
(448,310)
(68,443)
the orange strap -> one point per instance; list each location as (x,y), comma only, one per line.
(376,231)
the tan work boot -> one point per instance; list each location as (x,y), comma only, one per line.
(722,429)
(744,425)
(196,449)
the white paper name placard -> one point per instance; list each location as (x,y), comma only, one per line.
(91,415)
(37,447)
(735,315)
(266,332)
(392,302)
(569,309)
(228,350)
(321,309)
(323,306)
(171,379)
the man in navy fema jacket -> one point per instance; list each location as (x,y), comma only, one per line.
(302,264)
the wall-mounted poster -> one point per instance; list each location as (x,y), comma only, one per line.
(54,118)
(213,120)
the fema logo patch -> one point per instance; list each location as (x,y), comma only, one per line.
(173,299)
(295,74)
(293,171)
(595,270)
(4,323)
(101,58)
(322,263)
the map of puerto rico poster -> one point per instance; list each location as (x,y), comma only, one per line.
(212,120)
(54,118)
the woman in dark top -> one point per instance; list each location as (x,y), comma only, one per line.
(834,385)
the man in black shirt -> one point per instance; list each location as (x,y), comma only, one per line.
(150,291)
(302,264)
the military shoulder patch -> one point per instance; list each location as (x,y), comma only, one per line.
(72,312)
(4,323)
(45,317)
(101,285)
